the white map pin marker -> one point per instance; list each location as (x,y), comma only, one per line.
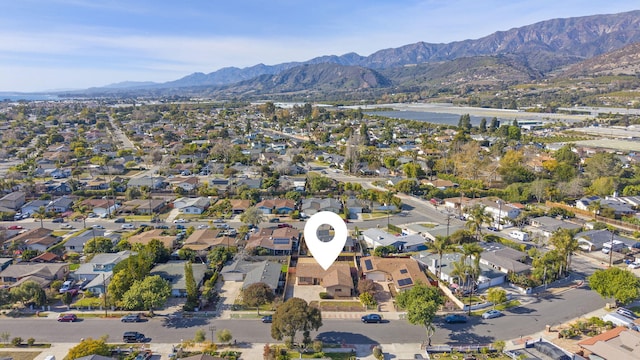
(325,253)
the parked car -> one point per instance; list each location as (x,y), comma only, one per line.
(179,221)
(67,318)
(267,319)
(133,337)
(284,225)
(66,286)
(180,227)
(634,265)
(119,220)
(66,226)
(97,226)
(131,318)
(15,227)
(491,314)
(371,318)
(492,228)
(274,220)
(58,220)
(128,226)
(203,226)
(455,319)
(626,313)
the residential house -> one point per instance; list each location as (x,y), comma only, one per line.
(39,239)
(431,261)
(377,237)
(14,200)
(145,237)
(277,206)
(153,182)
(57,188)
(239,206)
(76,243)
(356,206)
(199,357)
(619,343)
(195,206)
(276,241)
(441,184)
(457,204)
(312,206)
(546,225)
(336,280)
(32,207)
(95,275)
(592,240)
(5,262)
(266,272)
(251,184)
(98,183)
(402,273)
(46,257)
(143,207)
(222,185)
(504,259)
(60,205)
(173,272)
(187,184)
(42,273)
(102,207)
(498,209)
(203,240)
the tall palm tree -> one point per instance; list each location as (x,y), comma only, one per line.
(565,244)
(40,214)
(595,207)
(83,210)
(477,217)
(440,246)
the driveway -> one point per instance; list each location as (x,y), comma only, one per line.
(229,291)
(308,293)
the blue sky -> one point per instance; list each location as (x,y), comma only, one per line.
(75,44)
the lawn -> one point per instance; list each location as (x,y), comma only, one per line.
(373,216)
(332,305)
(331,355)
(460,356)
(19,355)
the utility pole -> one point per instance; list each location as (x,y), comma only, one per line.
(213,330)
(104,285)
(611,249)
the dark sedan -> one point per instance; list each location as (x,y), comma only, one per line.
(455,319)
(131,318)
(371,318)
(267,319)
(67,318)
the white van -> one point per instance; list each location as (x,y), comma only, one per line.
(519,235)
(618,320)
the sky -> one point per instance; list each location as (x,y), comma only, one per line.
(48,45)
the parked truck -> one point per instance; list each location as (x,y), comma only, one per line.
(519,235)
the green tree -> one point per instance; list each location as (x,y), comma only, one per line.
(41,213)
(476,218)
(619,284)
(440,246)
(421,303)
(256,295)
(252,216)
(200,336)
(292,316)
(147,294)
(29,291)
(564,241)
(191,287)
(98,244)
(224,336)
(218,256)
(497,296)
(89,346)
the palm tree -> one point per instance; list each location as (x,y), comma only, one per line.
(477,217)
(595,207)
(83,210)
(40,214)
(565,244)
(440,245)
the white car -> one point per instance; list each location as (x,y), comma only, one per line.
(97,226)
(128,226)
(634,265)
(179,221)
(203,226)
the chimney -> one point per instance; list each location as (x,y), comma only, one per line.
(434,263)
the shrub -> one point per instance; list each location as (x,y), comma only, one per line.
(324,295)
(31,341)
(16,341)
(200,336)
(377,353)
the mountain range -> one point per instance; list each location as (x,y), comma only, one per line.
(558,47)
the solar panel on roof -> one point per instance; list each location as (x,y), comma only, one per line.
(403,271)
(368,265)
(404,282)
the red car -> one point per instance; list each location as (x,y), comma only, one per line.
(67,318)
(15,227)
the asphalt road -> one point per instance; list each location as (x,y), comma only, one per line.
(520,321)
